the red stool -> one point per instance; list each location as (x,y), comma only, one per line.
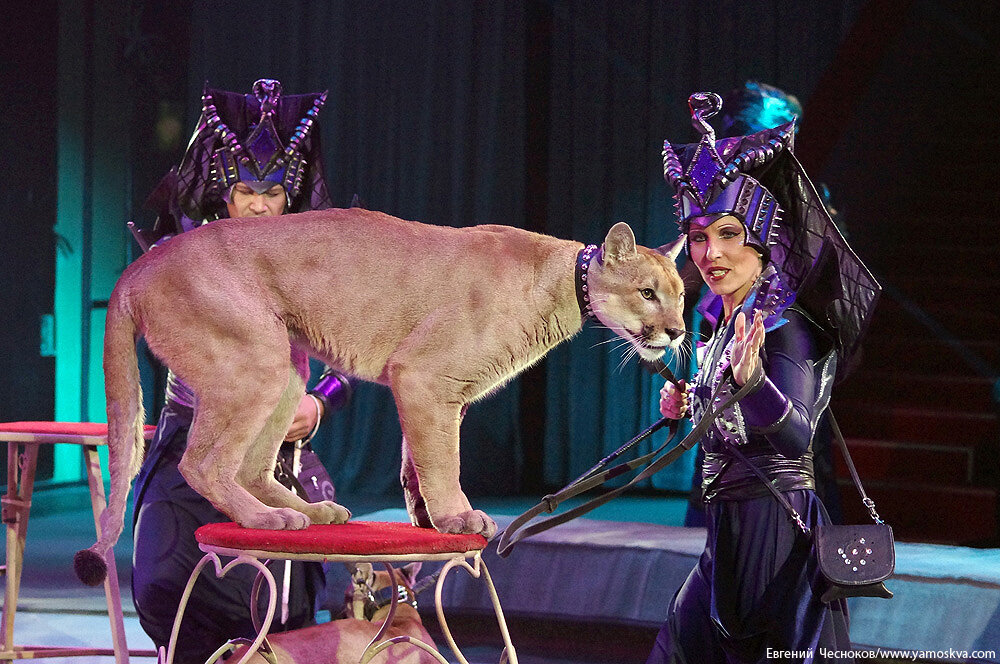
(353,542)
(23,439)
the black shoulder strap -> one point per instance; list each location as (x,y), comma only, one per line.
(869,503)
(792,513)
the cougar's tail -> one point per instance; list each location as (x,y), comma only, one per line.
(126,446)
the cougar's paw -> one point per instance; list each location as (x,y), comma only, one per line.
(474,521)
(278,518)
(327,511)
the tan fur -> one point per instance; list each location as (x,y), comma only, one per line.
(442,316)
(343,641)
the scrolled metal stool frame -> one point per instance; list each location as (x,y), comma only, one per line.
(477,569)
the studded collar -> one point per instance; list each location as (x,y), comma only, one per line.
(583,260)
(378,599)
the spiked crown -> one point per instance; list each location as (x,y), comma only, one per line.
(263,138)
(710,178)
(260,158)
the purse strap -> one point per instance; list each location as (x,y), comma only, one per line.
(869,503)
(792,512)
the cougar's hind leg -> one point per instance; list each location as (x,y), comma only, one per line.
(257,471)
(238,386)
(217,445)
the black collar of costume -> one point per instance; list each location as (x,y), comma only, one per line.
(583,259)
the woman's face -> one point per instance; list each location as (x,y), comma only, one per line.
(728,266)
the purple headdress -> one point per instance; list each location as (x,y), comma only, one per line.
(263,138)
(260,160)
(758,180)
(710,179)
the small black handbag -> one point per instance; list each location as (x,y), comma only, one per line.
(854,560)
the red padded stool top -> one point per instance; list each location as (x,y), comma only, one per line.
(69,432)
(71,428)
(360,538)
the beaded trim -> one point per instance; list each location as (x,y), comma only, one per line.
(583,259)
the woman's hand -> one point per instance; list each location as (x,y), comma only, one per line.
(673,400)
(746,347)
(306,417)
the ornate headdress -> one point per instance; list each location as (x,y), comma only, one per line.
(263,139)
(758,180)
(714,182)
(260,161)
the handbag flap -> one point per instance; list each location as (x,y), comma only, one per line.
(856,555)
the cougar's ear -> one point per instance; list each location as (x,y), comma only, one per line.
(410,572)
(672,249)
(619,245)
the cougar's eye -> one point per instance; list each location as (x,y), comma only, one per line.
(647,293)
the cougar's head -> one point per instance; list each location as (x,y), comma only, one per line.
(370,593)
(637,292)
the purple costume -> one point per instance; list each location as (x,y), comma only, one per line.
(755,594)
(756,585)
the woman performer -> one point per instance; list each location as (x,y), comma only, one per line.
(786,296)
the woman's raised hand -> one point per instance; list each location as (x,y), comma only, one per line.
(746,347)
(673,400)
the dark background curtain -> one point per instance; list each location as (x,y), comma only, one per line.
(427,119)
(545,115)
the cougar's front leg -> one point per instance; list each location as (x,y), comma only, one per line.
(430,422)
(415,505)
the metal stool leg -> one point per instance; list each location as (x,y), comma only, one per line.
(221,571)
(477,569)
(380,643)
(16,506)
(112,592)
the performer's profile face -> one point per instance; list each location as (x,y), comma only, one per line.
(727,265)
(245,202)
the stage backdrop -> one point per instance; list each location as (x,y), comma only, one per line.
(549,116)
(544,115)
